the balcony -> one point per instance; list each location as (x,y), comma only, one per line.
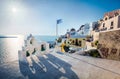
(104,29)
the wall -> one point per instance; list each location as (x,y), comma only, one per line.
(119,22)
(109,44)
(31,45)
(83,42)
(95,35)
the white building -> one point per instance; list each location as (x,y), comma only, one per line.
(111,21)
(87,28)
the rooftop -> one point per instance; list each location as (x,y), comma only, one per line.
(112,13)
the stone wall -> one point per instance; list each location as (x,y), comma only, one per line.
(109,44)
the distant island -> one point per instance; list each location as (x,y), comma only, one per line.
(8,37)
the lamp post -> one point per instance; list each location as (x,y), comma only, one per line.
(56,30)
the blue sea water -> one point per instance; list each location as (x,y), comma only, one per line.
(45,38)
(9,46)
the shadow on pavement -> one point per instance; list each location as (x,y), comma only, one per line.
(47,67)
(60,53)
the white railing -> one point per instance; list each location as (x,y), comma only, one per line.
(31,47)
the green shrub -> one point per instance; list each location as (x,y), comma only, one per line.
(59,40)
(94,53)
(96,42)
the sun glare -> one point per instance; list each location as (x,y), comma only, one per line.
(14,10)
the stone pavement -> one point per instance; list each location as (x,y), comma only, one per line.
(57,65)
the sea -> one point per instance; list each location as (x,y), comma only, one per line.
(10,45)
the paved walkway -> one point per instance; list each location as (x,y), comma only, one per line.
(57,65)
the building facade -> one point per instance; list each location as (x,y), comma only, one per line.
(110,21)
(85,29)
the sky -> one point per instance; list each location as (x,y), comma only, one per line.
(39,16)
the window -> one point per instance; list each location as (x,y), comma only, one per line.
(43,47)
(80,43)
(116,14)
(111,27)
(112,23)
(106,18)
(103,24)
(73,42)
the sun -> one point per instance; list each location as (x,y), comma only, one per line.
(14,10)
